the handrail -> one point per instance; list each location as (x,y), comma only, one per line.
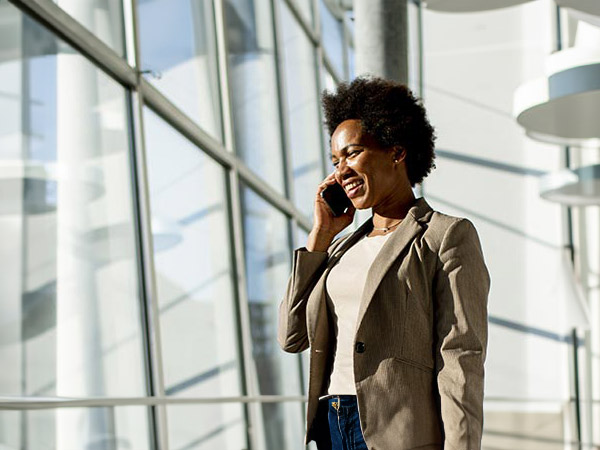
(30,403)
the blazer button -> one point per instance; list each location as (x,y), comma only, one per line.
(360,347)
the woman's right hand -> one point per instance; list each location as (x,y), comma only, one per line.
(325,225)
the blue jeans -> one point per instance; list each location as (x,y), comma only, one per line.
(344,424)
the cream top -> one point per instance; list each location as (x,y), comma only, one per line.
(345,285)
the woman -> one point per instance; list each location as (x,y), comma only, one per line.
(395,314)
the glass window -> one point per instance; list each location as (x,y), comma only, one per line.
(177,40)
(69,298)
(267,270)
(207,427)
(116,428)
(303,111)
(333,38)
(69,285)
(254,88)
(195,284)
(104,18)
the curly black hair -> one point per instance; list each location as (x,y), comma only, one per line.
(390,113)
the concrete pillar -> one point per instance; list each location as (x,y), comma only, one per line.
(381,38)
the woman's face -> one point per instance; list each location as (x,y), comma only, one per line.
(366,171)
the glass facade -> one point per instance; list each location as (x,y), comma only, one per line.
(148,215)
(143,258)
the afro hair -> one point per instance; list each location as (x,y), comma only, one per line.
(390,113)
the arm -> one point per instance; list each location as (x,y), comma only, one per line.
(461,288)
(307,267)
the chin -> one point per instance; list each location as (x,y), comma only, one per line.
(360,204)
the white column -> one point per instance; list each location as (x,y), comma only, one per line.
(381,39)
(79,364)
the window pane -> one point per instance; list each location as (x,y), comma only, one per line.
(115,428)
(69,299)
(254,88)
(207,427)
(268,267)
(303,111)
(177,40)
(104,18)
(333,39)
(194,280)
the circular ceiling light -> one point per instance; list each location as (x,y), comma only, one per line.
(572,187)
(564,107)
(459,6)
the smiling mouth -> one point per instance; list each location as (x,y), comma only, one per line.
(353,188)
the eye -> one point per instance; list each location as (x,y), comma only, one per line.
(353,153)
(335,163)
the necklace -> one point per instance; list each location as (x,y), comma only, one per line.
(386,229)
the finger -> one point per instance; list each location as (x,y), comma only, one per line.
(324,184)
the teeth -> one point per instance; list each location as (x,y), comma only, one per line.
(353,185)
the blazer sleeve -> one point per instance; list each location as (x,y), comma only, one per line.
(307,267)
(461,289)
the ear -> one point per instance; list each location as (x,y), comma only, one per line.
(399,154)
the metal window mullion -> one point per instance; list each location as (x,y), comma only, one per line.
(306,27)
(71,31)
(252,414)
(250,377)
(318,52)
(329,66)
(421,56)
(286,137)
(149,292)
(38,403)
(284,129)
(345,47)
(152,311)
(223,67)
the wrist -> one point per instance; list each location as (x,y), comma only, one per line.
(318,241)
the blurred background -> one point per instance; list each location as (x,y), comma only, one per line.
(158,163)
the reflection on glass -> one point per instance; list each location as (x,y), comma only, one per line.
(303,111)
(69,300)
(254,88)
(104,18)
(267,267)
(194,281)
(177,40)
(206,427)
(333,38)
(351,63)
(414,75)
(126,428)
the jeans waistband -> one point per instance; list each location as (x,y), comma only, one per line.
(342,400)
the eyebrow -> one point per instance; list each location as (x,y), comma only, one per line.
(345,149)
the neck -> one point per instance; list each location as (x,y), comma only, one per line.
(390,213)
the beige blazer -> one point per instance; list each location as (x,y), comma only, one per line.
(421,334)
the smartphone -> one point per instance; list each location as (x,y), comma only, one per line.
(336,198)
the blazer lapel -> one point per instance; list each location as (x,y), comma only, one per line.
(407,231)
(318,297)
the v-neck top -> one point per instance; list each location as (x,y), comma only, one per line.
(345,285)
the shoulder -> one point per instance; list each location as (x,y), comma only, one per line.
(443,228)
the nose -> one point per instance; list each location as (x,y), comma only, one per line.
(342,170)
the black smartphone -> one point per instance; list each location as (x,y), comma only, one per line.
(336,199)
